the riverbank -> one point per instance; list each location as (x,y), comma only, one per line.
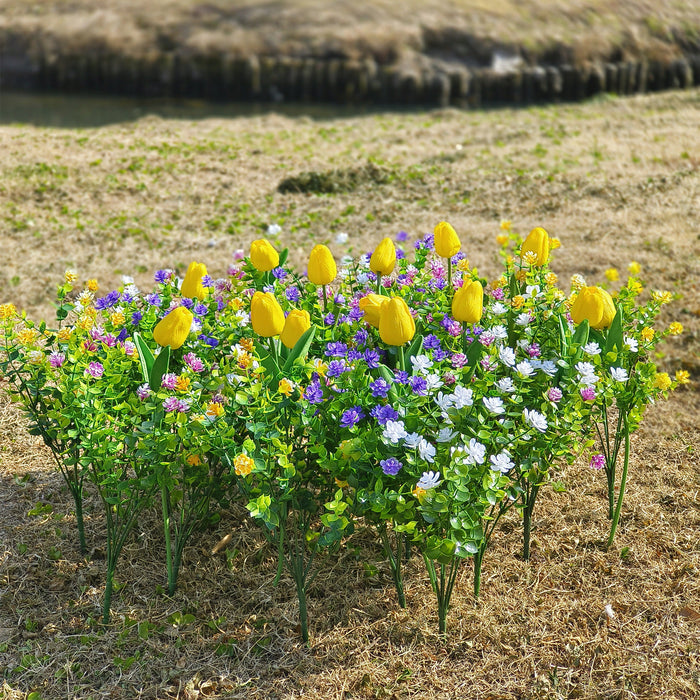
(465,53)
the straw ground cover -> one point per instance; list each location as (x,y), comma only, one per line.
(615,180)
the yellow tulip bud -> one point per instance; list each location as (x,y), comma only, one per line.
(447,242)
(396,325)
(468,302)
(383,258)
(266,315)
(322,269)
(537,241)
(173,328)
(192,284)
(263,256)
(594,305)
(295,325)
(371,307)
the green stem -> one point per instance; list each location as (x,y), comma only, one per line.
(109,586)
(465,343)
(165,506)
(78,498)
(623,482)
(449,277)
(379,283)
(325,299)
(394,560)
(402,358)
(478,559)
(527,519)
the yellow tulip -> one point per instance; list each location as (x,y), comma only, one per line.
(383,258)
(173,328)
(594,305)
(295,325)
(371,307)
(263,256)
(396,325)
(447,242)
(537,242)
(192,284)
(322,269)
(266,315)
(468,302)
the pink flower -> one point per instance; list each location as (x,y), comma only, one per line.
(193,362)
(554,394)
(56,359)
(94,369)
(597,461)
(588,393)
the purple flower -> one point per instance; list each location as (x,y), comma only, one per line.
(193,362)
(597,461)
(336,368)
(355,314)
(95,369)
(169,381)
(339,299)
(449,378)
(431,342)
(439,355)
(328,319)
(372,358)
(163,276)
(426,243)
(110,340)
(56,359)
(380,388)
(313,393)
(154,300)
(401,377)
(361,336)
(459,359)
(534,350)
(336,349)
(391,466)
(126,297)
(208,340)
(201,309)
(107,301)
(588,393)
(498,294)
(401,237)
(351,417)
(419,385)
(186,302)
(354,355)
(136,318)
(183,406)
(384,414)
(554,394)
(207,281)
(279,273)
(292,293)
(400,253)
(171,404)
(143,392)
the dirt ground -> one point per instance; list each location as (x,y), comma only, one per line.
(615,179)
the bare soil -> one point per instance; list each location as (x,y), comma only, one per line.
(615,179)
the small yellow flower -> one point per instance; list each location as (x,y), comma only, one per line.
(634,268)
(243,465)
(554,243)
(117,318)
(70,276)
(612,275)
(85,322)
(675,328)
(662,381)
(215,409)
(518,301)
(248,344)
(502,240)
(559,294)
(7,311)
(647,334)
(662,297)
(64,334)
(635,286)
(500,282)
(530,257)
(235,303)
(92,286)
(320,367)
(577,283)
(285,387)
(245,360)
(193,460)
(521,275)
(419,493)
(182,383)
(26,336)
(551,279)
(506,225)
(682,376)
(463,265)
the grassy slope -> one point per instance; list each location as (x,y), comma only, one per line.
(615,180)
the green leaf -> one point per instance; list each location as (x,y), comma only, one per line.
(414,348)
(159,368)
(145,356)
(615,332)
(283,257)
(300,350)
(581,334)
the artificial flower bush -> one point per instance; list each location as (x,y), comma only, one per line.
(406,392)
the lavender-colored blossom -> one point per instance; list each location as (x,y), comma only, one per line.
(588,393)
(391,466)
(355,314)
(143,392)
(292,293)
(279,273)
(208,340)
(56,359)
(555,394)
(95,369)
(107,301)
(336,349)
(193,362)
(337,367)
(352,416)
(361,336)
(136,318)
(169,381)
(401,237)
(379,388)
(171,404)
(186,302)
(154,300)
(329,319)
(400,253)
(163,276)
(418,385)
(534,350)
(459,359)
(313,393)
(207,281)
(401,377)
(354,355)
(372,358)
(384,414)
(201,309)
(597,461)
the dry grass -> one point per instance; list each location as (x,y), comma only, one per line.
(555,29)
(616,180)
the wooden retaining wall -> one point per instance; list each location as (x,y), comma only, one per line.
(224,77)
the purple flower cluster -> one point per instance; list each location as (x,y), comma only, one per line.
(293,294)
(169,381)
(597,461)
(94,369)
(313,393)
(391,466)
(108,301)
(379,388)
(384,414)
(172,403)
(193,362)
(351,417)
